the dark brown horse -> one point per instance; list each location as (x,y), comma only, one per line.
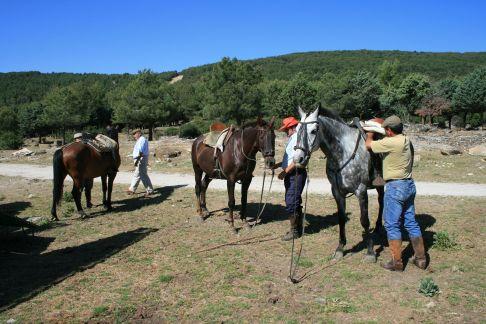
(236,163)
(83,163)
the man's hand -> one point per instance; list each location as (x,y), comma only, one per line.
(277,165)
(282,175)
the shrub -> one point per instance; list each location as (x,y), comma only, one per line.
(10,140)
(443,241)
(169,131)
(428,287)
(189,130)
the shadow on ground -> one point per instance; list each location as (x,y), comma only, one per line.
(138,201)
(24,272)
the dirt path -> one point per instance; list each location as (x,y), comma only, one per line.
(317,185)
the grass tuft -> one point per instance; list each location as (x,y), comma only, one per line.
(67,197)
(165,278)
(444,241)
(100,310)
(428,287)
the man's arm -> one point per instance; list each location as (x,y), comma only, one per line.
(138,158)
(369,140)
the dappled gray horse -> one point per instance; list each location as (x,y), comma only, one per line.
(348,167)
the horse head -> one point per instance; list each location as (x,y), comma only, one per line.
(266,141)
(307,137)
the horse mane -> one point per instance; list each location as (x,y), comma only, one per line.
(255,124)
(325,112)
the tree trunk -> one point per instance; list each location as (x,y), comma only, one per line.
(450,122)
(423,120)
(150,134)
(465,118)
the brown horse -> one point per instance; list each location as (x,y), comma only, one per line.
(83,163)
(236,163)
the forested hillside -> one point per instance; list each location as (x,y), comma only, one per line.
(427,87)
(314,64)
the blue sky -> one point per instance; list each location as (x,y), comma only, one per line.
(127,36)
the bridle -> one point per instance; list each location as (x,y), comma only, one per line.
(303,138)
(267,149)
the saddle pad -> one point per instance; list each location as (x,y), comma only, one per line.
(372,126)
(214,139)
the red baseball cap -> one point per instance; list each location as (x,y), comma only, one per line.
(288,123)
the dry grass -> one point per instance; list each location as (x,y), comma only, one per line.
(141,262)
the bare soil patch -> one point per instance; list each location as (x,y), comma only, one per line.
(140,262)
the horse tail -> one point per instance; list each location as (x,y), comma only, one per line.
(59,174)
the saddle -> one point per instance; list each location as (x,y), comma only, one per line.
(218,136)
(102,143)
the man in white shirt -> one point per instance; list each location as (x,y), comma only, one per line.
(140,159)
(294,181)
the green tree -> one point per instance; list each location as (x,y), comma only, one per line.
(147,100)
(470,96)
(10,137)
(389,73)
(298,92)
(64,109)
(233,92)
(361,96)
(30,117)
(412,91)
(446,89)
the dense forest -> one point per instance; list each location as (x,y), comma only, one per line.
(426,87)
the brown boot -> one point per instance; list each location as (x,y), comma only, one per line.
(419,258)
(395,264)
(294,232)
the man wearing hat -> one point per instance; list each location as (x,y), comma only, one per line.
(294,181)
(78,137)
(399,193)
(140,158)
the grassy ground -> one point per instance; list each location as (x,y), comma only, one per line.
(432,165)
(141,261)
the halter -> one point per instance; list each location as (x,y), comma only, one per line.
(298,146)
(270,153)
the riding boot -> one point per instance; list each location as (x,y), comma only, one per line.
(419,258)
(395,264)
(294,232)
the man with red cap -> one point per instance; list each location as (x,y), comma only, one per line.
(294,181)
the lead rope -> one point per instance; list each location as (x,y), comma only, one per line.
(260,208)
(295,264)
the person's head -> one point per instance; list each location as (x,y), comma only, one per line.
(289,125)
(136,133)
(393,126)
(78,137)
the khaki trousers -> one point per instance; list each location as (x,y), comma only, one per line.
(140,173)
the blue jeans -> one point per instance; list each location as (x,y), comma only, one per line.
(399,203)
(293,190)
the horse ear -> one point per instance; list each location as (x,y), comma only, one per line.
(270,125)
(315,113)
(301,112)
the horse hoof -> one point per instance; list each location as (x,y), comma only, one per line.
(82,214)
(54,219)
(234,231)
(89,206)
(338,255)
(107,208)
(200,219)
(370,258)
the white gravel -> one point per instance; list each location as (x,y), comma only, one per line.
(316,185)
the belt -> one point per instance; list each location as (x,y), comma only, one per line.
(406,179)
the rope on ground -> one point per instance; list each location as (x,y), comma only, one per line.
(248,240)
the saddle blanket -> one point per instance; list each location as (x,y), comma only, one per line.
(103,143)
(216,139)
(372,126)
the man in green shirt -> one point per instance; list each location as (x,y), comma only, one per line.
(399,192)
